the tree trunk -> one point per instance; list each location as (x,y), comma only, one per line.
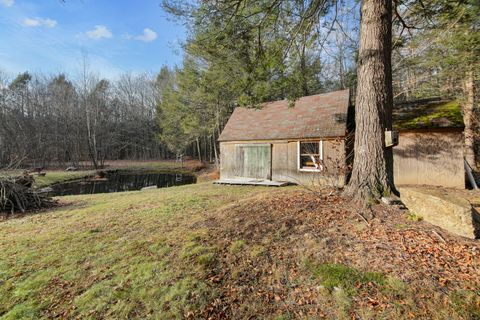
(470,132)
(372,174)
(210,149)
(205,148)
(199,151)
(215,150)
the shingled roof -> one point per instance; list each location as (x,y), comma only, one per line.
(317,116)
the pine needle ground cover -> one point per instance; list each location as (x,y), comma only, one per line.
(206,251)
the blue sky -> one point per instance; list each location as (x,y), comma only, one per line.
(118,36)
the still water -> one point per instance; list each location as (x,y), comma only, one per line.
(118,181)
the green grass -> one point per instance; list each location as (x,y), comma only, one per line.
(170,253)
(332,275)
(61,176)
(412,216)
(118,255)
(237,246)
(465,303)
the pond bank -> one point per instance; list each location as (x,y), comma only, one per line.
(120,180)
(52,176)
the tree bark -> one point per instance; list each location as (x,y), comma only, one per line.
(470,132)
(215,151)
(372,174)
(199,151)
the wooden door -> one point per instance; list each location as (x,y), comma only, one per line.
(254,161)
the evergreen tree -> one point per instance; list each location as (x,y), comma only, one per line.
(256,36)
(441,59)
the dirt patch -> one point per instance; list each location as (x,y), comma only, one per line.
(209,172)
(267,244)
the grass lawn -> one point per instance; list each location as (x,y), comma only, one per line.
(207,251)
(116,255)
(61,176)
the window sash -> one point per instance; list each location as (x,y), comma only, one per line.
(300,155)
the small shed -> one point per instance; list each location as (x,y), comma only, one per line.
(303,144)
(310,142)
(430,150)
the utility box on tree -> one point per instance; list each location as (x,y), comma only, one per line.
(391,138)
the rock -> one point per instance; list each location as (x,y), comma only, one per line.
(393,200)
(45,190)
(149,188)
(445,210)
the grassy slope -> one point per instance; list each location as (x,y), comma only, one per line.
(237,252)
(124,254)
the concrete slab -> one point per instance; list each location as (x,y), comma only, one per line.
(252,182)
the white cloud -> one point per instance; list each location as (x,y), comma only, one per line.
(148,35)
(99,32)
(39,22)
(7,3)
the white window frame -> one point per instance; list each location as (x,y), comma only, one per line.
(320,150)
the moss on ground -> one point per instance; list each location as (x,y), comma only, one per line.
(338,276)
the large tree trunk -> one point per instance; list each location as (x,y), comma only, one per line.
(471,133)
(372,175)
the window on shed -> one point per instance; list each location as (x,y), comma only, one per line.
(310,155)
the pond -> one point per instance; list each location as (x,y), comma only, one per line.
(118,181)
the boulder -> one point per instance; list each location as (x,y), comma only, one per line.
(149,188)
(443,209)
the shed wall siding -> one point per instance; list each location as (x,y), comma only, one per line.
(429,158)
(421,158)
(227,161)
(285,163)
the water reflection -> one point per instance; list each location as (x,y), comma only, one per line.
(118,181)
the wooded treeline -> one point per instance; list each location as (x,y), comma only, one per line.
(238,53)
(56,121)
